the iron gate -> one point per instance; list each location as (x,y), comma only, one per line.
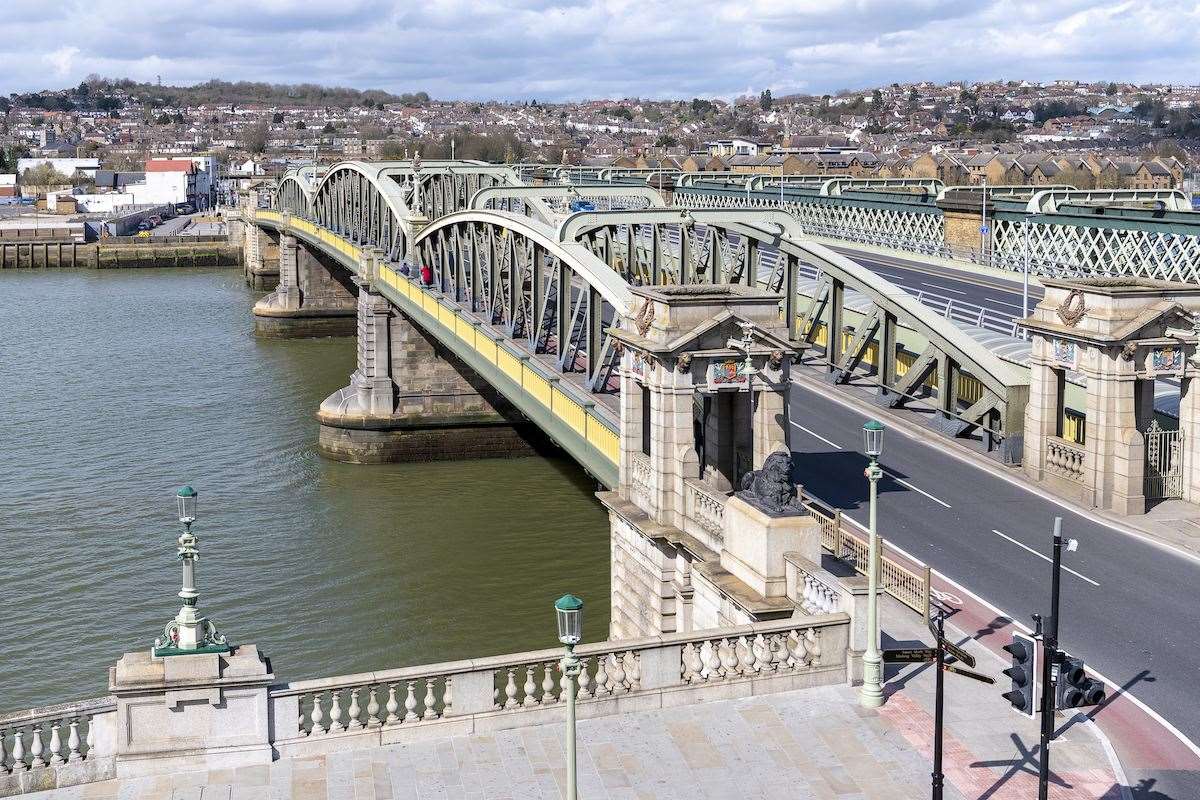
(1164,463)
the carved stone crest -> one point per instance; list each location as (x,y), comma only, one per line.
(776,359)
(644,317)
(1072,309)
(1129,351)
(684,363)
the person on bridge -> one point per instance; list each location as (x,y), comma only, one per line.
(426,275)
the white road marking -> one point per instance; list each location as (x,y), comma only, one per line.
(1042,556)
(1012,305)
(941,288)
(915,489)
(819,436)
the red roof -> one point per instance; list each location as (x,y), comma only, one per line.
(169,165)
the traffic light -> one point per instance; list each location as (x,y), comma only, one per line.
(1074,688)
(1023,674)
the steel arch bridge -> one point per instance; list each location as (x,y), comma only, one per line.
(545,288)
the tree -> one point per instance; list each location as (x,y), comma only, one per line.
(328,128)
(912,94)
(1076,176)
(254,139)
(1167,148)
(621,112)
(876,99)
(666,140)
(1111,89)
(277,118)
(162,119)
(299,125)
(44,175)
(765,100)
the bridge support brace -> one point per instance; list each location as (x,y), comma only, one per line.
(314,297)
(412,400)
(260,257)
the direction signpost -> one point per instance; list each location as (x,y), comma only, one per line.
(937,655)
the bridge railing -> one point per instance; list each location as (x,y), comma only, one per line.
(528,688)
(901,577)
(58,745)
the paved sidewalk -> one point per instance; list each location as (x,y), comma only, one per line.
(816,744)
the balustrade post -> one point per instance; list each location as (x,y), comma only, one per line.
(661,666)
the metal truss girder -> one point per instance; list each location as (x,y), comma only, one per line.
(925,364)
(858,345)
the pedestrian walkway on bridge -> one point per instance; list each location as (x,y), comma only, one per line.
(814,744)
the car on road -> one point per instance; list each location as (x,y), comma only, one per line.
(144,226)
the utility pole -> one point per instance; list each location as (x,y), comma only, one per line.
(983,228)
(1025,280)
(1050,665)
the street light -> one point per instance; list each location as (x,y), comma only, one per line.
(189,633)
(871,694)
(569,611)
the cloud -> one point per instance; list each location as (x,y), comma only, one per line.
(61,59)
(557,49)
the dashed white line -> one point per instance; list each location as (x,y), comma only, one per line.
(915,489)
(819,436)
(1042,556)
(1012,305)
(941,288)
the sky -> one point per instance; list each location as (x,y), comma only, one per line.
(578,49)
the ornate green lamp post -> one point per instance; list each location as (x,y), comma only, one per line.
(189,633)
(569,610)
(871,694)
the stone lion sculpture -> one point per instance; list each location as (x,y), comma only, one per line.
(771,487)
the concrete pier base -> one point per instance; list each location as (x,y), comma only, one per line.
(315,297)
(272,323)
(365,440)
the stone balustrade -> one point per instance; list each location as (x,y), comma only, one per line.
(704,512)
(61,745)
(1065,459)
(641,479)
(529,688)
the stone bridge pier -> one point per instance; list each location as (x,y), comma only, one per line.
(315,295)
(260,256)
(411,399)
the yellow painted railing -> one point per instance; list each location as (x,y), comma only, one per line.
(327,237)
(970,388)
(1074,426)
(577,416)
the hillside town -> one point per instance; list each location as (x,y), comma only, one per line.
(107,144)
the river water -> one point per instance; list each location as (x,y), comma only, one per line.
(120,386)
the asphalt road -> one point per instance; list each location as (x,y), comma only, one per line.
(1127,606)
(997,295)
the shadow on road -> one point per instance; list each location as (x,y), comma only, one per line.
(836,477)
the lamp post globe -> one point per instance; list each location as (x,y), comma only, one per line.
(873,439)
(186,498)
(569,611)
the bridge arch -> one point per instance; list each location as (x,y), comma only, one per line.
(557,297)
(357,201)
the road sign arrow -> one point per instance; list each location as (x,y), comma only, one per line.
(966,673)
